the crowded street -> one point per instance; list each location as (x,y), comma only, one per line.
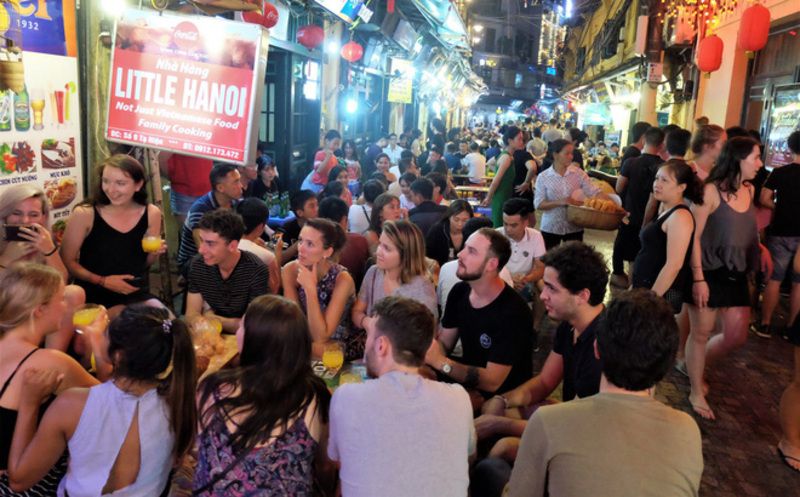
(400,248)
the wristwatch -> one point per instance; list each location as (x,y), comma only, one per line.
(447,368)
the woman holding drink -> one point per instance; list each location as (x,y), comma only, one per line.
(112,239)
(32,306)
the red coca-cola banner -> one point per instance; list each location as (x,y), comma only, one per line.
(186,84)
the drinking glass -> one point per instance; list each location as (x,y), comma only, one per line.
(151,244)
(85,315)
(333,356)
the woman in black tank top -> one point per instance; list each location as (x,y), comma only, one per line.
(102,246)
(663,263)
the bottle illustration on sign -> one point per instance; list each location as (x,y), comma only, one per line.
(6,110)
(22,111)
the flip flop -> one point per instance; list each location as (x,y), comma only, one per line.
(785,460)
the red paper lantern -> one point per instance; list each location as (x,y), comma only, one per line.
(352,51)
(754,29)
(310,36)
(268,18)
(709,54)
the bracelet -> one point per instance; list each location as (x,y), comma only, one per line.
(55,248)
(503,398)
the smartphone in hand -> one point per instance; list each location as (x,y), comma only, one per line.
(12,232)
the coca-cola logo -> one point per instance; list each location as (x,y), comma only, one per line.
(186,36)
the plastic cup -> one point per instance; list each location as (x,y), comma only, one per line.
(333,356)
(151,244)
(85,315)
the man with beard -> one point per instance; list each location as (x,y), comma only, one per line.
(491,319)
(575,279)
(401,434)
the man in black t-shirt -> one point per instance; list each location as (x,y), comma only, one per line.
(575,278)
(491,319)
(634,185)
(305,206)
(781,192)
(223,280)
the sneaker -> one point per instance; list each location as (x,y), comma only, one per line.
(762,330)
(680,366)
(620,280)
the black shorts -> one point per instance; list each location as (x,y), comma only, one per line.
(793,333)
(727,288)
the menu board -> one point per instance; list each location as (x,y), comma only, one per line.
(188,84)
(784,119)
(40,122)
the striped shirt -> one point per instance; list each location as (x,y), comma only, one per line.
(230,297)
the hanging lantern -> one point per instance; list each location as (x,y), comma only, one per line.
(754,29)
(709,54)
(352,51)
(268,18)
(310,36)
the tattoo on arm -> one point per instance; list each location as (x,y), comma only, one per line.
(472,377)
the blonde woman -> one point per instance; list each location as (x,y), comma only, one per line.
(26,209)
(32,308)
(400,270)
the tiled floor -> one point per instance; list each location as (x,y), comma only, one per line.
(739,447)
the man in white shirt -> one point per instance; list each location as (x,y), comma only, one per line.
(552,133)
(527,244)
(400,434)
(393,150)
(255,213)
(476,164)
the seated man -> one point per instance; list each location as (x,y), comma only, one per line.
(305,206)
(575,279)
(620,442)
(495,358)
(223,279)
(427,212)
(527,244)
(400,434)
(254,213)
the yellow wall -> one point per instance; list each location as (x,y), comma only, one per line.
(721,96)
(588,35)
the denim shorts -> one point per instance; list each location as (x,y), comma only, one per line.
(782,250)
(180,203)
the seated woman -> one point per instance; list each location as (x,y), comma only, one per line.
(263,425)
(339,174)
(267,186)
(382,164)
(26,206)
(445,238)
(146,412)
(102,245)
(324,290)
(385,208)
(399,270)
(32,308)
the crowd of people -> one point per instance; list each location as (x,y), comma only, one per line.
(379,259)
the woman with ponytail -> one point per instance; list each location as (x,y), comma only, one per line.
(124,436)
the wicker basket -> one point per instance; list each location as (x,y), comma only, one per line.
(590,218)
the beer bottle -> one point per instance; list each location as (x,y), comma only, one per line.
(22,110)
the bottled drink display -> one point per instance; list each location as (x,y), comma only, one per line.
(6,110)
(22,111)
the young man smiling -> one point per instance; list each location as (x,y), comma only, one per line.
(223,280)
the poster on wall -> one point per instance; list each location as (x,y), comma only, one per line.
(39,104)
(784,119)
(187,84)
(401,84)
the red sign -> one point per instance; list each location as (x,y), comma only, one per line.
(186,84)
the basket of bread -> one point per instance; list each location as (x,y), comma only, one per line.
(212,349)
(596,213)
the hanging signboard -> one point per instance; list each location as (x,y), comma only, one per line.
(401,84)
(187,84)
(40,129)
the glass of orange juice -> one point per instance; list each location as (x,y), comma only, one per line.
(85,315)
(151,243)
(333,356)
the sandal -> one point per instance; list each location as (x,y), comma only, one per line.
(785,460)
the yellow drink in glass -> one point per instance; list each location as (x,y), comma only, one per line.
(85,316)
(37,105)
(333,357)
(151,244)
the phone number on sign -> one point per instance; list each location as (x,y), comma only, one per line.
(215,151)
